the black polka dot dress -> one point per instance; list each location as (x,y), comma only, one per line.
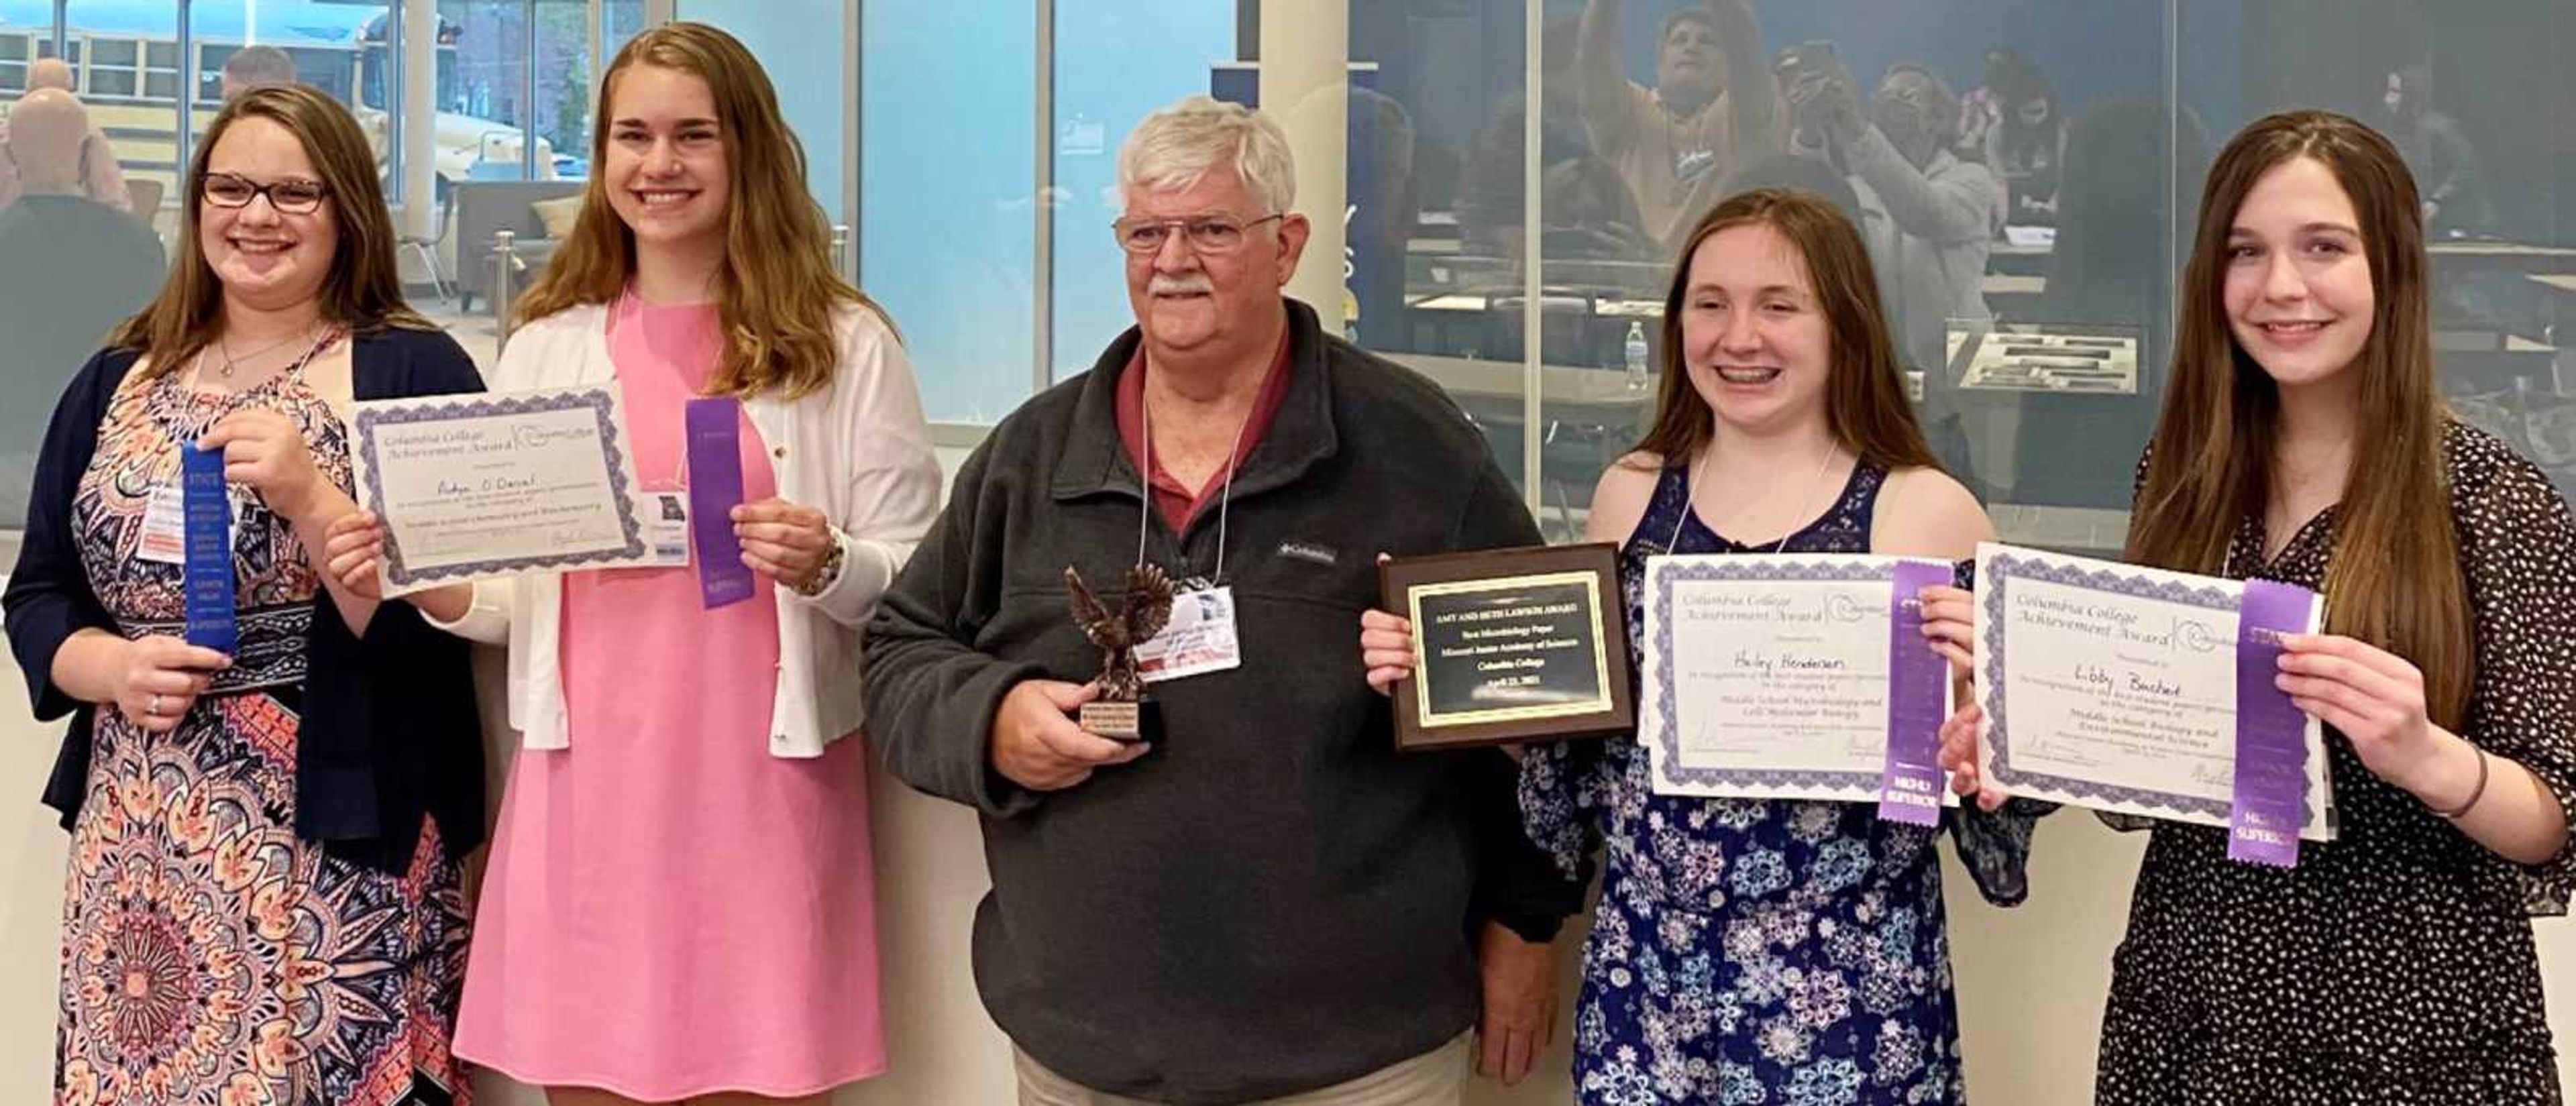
(2394,964)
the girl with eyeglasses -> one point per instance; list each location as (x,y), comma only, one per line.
(264,902)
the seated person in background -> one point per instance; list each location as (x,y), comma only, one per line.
(1587,213)
(2121,212)
(1713,106)
(70,268)
(98,177)
(1983,107)
(2028,150)
(2438,151)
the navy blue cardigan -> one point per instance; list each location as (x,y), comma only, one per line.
(389,731)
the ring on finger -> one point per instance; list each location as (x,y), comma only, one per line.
(153,708)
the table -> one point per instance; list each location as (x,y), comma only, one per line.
(1560,386)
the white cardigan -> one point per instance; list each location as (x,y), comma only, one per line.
(859,451)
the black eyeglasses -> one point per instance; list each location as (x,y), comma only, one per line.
(1208,233)
(290,197)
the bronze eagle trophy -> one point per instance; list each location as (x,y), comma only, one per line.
(1123,711)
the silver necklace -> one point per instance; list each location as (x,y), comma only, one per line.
(224,345)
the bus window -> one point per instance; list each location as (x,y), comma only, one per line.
(15,51)
(114,68)
(161,71)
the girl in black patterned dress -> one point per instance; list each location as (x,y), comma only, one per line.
(2303,440)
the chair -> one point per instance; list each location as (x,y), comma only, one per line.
(143,197)
(484,208)
(425,246)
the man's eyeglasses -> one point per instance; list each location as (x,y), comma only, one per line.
(291,197)
(1209,234)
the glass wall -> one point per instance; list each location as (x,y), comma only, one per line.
(486,97)
(1114,62)
(2024,175)
(799,42)
(948,195)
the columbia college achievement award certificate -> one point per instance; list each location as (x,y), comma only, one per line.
(1794,677)
(471,486)
(2148,692)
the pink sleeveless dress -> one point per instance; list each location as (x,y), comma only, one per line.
(670,910)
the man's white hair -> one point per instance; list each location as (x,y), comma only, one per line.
(1177,145)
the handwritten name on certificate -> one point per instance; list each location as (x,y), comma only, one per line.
(2142,691)
(1787,677)
(472,486)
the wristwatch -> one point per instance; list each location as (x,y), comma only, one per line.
(825,573)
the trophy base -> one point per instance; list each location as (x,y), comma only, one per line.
(1140,720)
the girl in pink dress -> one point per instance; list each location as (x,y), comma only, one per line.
(680,904)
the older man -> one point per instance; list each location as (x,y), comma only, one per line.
(256,67)
(1266,903)
(70,268)
(91,163)
(1712,110)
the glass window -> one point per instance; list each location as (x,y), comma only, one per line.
(141,126)
(78,266)
(111,52)
(1114,62)
(798,41)
(333,48)
(17,48)
(947,222)
(1992,244)
(1434,263)
(564,71)
(484,92)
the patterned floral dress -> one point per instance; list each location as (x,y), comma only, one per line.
(209,956)
(1755,952)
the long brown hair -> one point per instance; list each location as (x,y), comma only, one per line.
(360,292)
(2394,574)
(776,292)
(1865,406)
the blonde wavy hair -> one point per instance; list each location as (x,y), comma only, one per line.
(776,292)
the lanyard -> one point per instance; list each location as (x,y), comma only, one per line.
(1225,498)
(1690,490)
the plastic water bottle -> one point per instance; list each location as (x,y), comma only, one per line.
(1635,349)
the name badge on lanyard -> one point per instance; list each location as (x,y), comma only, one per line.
(1199,639)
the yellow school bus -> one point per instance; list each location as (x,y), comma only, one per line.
(124,55)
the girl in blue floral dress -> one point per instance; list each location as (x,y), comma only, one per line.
(1749,951)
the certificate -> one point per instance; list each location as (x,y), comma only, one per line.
(1794,677)
(1510,645)
(472,486)
(2149,692)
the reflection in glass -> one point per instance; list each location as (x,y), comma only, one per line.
(71,267)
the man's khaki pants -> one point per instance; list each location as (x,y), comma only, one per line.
(1435,1078)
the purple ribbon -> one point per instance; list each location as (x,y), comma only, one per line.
(2269,805)
(205,520)
(1909,789)
(714,428)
